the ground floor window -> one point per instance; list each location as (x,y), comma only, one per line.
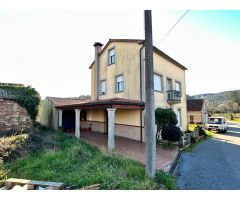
(179,117)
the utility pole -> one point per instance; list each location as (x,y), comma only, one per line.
(149,118)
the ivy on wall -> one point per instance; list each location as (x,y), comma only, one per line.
(27,97)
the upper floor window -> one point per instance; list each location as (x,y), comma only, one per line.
(169,84)
(178,86)
(158,82)
(111,56)
(103,87)
(119,83)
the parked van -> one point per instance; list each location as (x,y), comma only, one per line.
(216,123)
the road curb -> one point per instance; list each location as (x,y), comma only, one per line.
(175,164)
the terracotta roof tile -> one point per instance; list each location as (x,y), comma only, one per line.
(87,102)
(115,100)
(58,101)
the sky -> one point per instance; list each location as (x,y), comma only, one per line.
(51,50)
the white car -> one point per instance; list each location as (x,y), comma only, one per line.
(217,123)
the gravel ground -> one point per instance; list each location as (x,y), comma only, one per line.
(212,165)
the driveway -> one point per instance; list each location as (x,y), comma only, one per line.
(213,164)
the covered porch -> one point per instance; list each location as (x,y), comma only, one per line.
(112,117)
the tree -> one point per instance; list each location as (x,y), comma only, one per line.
(165,117)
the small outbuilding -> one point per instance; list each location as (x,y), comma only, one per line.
(197,112)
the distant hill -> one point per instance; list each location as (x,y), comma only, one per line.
(228,101)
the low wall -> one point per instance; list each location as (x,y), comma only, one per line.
(94,125)
(123,130)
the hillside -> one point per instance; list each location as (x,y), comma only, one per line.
(227,101)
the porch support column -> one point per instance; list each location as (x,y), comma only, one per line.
(111,128)
(77,123)
(60,118)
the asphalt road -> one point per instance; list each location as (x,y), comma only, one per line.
(213,164)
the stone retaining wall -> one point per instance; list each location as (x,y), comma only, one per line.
(13,117)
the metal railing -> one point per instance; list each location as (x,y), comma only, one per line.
(174,96)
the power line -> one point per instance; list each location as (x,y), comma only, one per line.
(174,26)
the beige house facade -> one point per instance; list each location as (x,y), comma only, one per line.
(129,68)
(117,99)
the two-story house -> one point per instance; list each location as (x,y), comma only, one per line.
(117,99)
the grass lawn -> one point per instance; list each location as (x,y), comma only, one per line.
(235,120)
(65,159)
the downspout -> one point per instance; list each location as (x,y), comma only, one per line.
(141,93)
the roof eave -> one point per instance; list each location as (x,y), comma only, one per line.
(140,41)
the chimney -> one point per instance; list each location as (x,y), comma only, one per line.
(98,48)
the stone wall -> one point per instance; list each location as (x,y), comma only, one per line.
(13,117)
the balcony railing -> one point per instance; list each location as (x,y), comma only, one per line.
(174,96)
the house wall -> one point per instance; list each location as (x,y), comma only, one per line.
(128,64)
(197,116)
(168,70)
(48,114)
(13,117)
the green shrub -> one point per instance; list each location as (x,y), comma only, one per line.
(231,117)
(201,131)
(27,97)
(163,118)
(171,133)
(10,146)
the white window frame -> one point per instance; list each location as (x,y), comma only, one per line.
(119,85)
(180,86)
(169,79)
(111,58)
(179,117)
(102,92)
(156,88)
